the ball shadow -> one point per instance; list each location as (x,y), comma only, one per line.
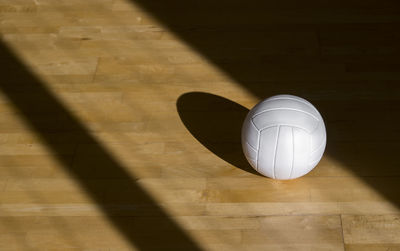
(216,123)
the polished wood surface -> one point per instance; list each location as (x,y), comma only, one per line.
(120,124)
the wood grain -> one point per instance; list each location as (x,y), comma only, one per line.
(141,150)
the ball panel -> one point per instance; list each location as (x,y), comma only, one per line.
(252,162)
(319,143)
(316,155)
(284,153)
(266,153)
(291,97)
(318,136)
(303,171)
(301,152)
(250,153)
(250,133)
(286,117)
(289,103)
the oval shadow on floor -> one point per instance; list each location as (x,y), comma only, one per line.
(216,123)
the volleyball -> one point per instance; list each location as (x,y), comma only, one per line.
(283,137)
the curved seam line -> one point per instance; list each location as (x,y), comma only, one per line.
(251,146)
(276,148)
(320,146)
(254,124)
(284,125)
(290,109)
(300,101)
(291,170)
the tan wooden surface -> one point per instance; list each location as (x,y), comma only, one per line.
(120,122)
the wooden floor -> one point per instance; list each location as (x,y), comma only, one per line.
(120,124)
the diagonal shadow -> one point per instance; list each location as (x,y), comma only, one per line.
(261,45)
(48,117)
(215,122)
(340,55)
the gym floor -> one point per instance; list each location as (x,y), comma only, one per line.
(120,124)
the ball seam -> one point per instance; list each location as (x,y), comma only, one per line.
(258,147)
(274,125)
(289,109)
(276,149)
(293,99)
(291,170)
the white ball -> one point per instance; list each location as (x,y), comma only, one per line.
(283,137)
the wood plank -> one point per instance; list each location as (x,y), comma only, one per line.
(142,164)
(371,232)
